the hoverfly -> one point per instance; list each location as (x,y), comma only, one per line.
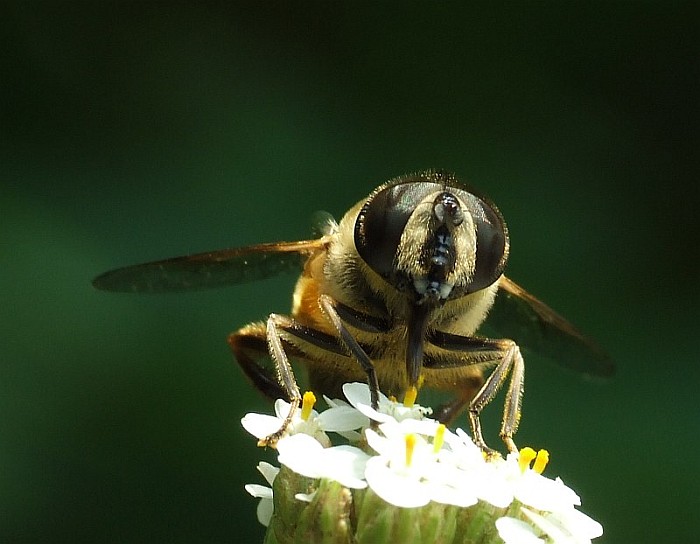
(395,294)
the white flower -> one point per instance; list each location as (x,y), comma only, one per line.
(359,396)
(535,490)
(472,471)
(551,505)
(306,456)
(408,471)
(264,493)
(414,461)
(391,477)
(341,418)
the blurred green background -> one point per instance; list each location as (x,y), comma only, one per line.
(132,131)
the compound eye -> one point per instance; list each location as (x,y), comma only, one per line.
(491,247)
(382,220)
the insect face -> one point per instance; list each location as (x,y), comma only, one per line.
(431,239)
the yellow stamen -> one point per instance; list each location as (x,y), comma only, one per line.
(439,438)
(392,398)
(541,461)
(410,446)
(410,397)
(307,405)
(526,457)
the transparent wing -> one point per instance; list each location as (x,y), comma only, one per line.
(212,269)
(518,315)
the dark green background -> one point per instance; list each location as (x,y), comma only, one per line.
(132,131)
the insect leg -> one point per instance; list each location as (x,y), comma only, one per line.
(285,376)
(466,351)
(248,345)
(252,342)
(280,338)
(512,361)
(353,347)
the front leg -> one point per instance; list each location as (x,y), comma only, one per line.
(285,377)
(254,341)
(249,345)
(283,336)
(353,347)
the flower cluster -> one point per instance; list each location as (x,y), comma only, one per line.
(406,460)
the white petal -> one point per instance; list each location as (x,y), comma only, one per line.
(445,494)
(461,433)
(461,459)
(268,471)
(515,531)
(398,429)
(575,499)
(334,403)
(346,464)
(259,491)
(487,484)
(552,529)
(305,456)
(357,393)
(577,523)
(542,493)
(460,439)
(264,511)
(301,453)
(342,419)
(373,414)
(260,425)
(282,408)
(359,396)
(380,444)
(395,489)
(305,497)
